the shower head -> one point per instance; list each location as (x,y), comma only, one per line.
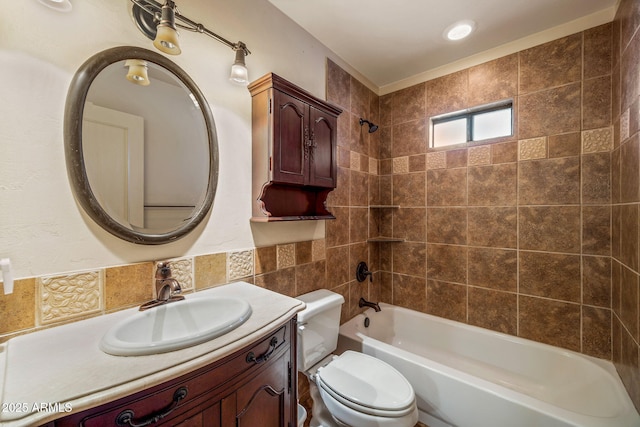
(372,127)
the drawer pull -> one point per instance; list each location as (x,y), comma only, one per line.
(125,418)
(251,358)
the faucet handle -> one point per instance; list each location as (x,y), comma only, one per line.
(163,270)
(362,271)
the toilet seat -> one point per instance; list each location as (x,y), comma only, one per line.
(367,385)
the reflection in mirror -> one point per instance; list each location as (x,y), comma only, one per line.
(141,145)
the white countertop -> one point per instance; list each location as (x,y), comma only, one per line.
(63,367)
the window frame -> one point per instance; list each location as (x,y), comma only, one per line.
(469,114)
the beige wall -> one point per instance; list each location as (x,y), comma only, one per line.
(42,229)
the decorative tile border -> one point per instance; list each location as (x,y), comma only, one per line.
(355,161)
(65,297)
(286,255)
(437,160)
(72,296)
(182,271)
(479,155)
(373,166)
(400,165)
(598,140)
(240,264)
(534,148)
(624,125)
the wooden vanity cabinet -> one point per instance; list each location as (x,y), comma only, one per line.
(256,386)
(294,151)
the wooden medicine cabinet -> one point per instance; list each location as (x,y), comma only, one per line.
(294,151)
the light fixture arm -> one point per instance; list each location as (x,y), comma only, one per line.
(154,8)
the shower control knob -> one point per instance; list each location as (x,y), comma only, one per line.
(362,271)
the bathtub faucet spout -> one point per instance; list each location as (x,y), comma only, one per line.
(364,303)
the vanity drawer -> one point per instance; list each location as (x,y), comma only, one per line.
(191,395)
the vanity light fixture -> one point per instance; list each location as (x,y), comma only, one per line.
(159,22)
(239,73)
(459,30)
(137,72)
(166,34)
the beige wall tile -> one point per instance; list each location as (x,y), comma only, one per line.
(210,270)
(17,310)
(129,285)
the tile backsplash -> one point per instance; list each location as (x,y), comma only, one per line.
(51,300)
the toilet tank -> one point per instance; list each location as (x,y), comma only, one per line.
(318,326)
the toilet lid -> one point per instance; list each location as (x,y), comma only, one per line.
(367,382)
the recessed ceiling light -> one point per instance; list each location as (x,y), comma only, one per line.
(59,5)
(459,30)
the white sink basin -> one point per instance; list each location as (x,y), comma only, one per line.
(175,325)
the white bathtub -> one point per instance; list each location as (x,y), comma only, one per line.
(467,376)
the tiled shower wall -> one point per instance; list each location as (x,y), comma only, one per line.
(512,236)
(535,235)
(625,161)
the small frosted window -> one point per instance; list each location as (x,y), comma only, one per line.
(450,132)
(493,124)
(475,124)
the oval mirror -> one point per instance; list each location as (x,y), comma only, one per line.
(140,145)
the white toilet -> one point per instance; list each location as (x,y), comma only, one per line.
(353,389)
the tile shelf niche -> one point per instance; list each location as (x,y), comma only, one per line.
(384,239)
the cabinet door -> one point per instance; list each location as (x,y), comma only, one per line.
(265,400)
(290,135)
(322,141)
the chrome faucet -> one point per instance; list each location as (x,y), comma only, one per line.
(167,288)
(364,303)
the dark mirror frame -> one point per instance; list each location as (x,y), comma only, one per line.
(73,115)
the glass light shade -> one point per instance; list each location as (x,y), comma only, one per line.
(137,72)
(167,40)
(239,75)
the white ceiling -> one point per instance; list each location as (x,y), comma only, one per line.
(388,41)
